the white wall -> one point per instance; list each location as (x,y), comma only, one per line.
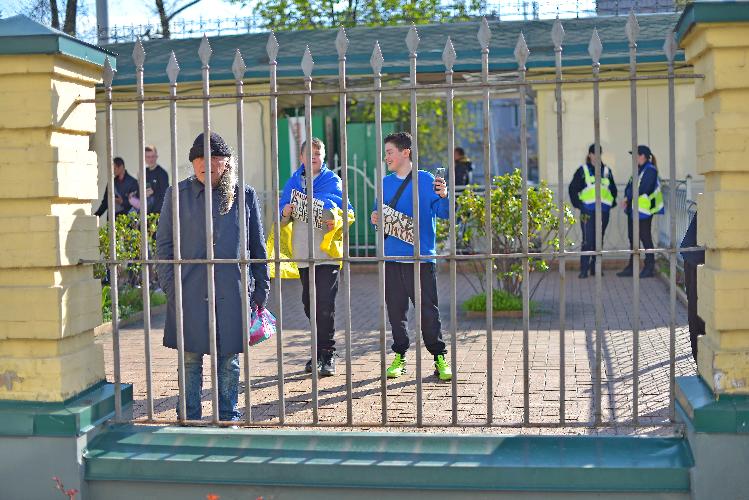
(189,125)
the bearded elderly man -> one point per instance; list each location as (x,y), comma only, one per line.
(229,293)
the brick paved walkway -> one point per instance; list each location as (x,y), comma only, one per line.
(471,366)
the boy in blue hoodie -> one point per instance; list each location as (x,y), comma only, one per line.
(399,272)
(326,186)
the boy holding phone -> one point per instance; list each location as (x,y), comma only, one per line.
(399,272)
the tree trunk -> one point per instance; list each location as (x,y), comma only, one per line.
(70,13)
(163,18)
(55,14)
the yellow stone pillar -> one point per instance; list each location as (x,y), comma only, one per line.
(715,37)
(49,303)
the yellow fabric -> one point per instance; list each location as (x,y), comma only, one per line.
(332,244)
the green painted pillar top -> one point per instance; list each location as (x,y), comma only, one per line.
(20,35)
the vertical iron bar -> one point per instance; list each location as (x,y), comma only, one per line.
(448,58)
(239,68)
(557,35)
(670,52)
(112,217)
(599,235)
(272,49)
(484,36)
(342,43)
(172,70)
(365,245)
(205,53)
(522,52)
(357,179)
(634,208)
(417,243)
(309,174)
(142,185)
(376,62)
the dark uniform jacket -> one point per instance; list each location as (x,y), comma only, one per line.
(122,188)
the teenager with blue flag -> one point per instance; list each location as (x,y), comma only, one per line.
(648,202)
(397,192)
(327,243)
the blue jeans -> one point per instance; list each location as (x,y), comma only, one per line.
(228,386)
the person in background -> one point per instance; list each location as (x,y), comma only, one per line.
(125,190)
(398,192)
(228,292)
(691,261)
(327,242)
(463,167)
(647,203)
(157,181)
(582,192)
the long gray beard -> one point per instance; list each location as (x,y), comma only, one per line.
(227,187)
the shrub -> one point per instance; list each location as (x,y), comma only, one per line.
(507,237)
(127,246)
(501,301)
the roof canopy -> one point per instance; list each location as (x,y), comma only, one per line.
(392,40)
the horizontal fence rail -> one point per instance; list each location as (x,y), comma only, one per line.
(357,251)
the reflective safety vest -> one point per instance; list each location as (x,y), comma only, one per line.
(650,204)
(588,194)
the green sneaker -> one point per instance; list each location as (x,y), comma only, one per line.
(442,368)
(397,367)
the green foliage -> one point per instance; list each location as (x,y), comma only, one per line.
(432,124)
(507,227)
(501,301)
(130,301)
(314,14)
(127,246)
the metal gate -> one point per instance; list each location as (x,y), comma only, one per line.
(353,174)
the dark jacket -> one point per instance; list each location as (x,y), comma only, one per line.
(158,180)
(578,184)
(229,295)
(463,169)
(696,257)
(122,188)
(647,185)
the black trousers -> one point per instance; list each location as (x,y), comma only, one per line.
(646,237)
(588,225)
(326,289)
(399,295)
(696,324)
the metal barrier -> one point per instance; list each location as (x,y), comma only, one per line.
(522,83)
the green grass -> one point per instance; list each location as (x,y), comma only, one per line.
(502,301)
(130,302)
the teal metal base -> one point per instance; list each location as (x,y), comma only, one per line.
(718,435)
(385,463)
(39,441)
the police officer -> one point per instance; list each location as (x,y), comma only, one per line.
(647,203)
(582,191)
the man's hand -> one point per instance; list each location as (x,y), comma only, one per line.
(440,187)
(118,199)
(373,218)
(286,212)
(149,191)
(624,204)
(330,224)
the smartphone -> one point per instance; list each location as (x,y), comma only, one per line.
(440,172)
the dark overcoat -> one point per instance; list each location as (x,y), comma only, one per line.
(228,285)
